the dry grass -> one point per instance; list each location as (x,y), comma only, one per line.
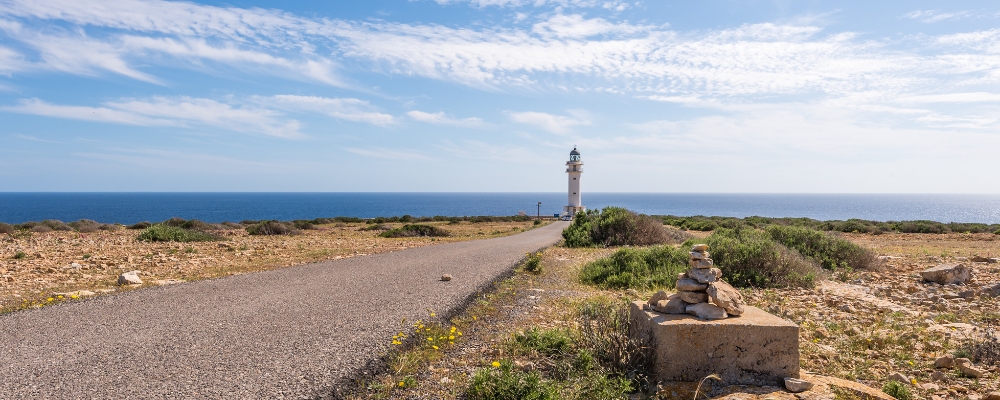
(47,268)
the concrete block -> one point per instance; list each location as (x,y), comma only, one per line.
(755,348)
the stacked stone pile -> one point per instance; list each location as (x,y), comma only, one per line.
(700,291)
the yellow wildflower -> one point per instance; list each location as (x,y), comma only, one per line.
(430,339)
(496,364)
(435,347)
(49,299)
(452,337)
(401,384)
(59,296)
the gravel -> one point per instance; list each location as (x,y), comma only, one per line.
(291,333)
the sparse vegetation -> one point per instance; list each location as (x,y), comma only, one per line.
(166,233)
(415,230)
(504,381)
(897,389)
(703,223)
(614,226)
(533,262)
(7,228)
(20,255)
(140,225)
(830,251)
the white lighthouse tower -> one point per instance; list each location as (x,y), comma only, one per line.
(574,167)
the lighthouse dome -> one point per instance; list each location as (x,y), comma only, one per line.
(574,152)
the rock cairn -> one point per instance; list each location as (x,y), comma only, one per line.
(700,291)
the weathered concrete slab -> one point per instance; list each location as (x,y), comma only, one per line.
(755,348)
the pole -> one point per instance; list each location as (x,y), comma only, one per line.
(539,214)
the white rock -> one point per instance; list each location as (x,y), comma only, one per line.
(797,385)
(446,277)
(947,274)
(675,306)
(661,295)
(899,377)
(702,264)
(129,278)
(944,362)
(699,247)
(706,311)
(699,255)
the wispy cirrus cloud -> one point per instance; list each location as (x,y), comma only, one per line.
(616,5)
(348,109)
(556,124)
(932,16)
(170,111)
(439,118)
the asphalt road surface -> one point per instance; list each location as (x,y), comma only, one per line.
(290,333)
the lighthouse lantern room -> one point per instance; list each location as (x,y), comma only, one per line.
(574,167)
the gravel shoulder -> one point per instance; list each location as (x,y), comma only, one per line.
(290,333)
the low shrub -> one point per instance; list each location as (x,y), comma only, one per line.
(303,224)
(230,225)
(166,233)
(547,341)
(505,381)
(20,255)
(606,328)
(897,389)
(414,230)
(614,226)
(7,228)
(830,251)
(86,226)
(57,225)
(140,225)
(272,228)
(750,257)
(376,227)
(641,269)
(40,229)
(533,262)
(985,350)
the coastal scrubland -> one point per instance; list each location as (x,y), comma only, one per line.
(556,329)
(57,262)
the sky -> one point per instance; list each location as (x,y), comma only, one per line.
(491,95)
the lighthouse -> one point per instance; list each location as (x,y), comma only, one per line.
(574,167)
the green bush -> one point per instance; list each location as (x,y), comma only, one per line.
(272,228)
(829,251)
(20,255)
(533,262)
(414,230)
(507,382)
(614,226)
(897,389)
(7,228)
(649,268)
(749,257)
(86,225)
(57,225)
(548,341)
(165,233)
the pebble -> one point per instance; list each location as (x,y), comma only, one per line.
(446,277)
(797,385)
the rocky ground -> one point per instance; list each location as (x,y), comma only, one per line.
(859,329)
(46,268)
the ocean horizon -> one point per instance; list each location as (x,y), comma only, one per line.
(132,207)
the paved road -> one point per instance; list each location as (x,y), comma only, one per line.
(288,333)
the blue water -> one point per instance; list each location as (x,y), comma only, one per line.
(128,208)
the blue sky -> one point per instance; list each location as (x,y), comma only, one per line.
(490,95)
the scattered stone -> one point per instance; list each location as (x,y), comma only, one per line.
(445,277)
(694,297)
(661,295)
(723,295)
(946,274)
(971,371)
(930,387)
(446,380)
(967,294)
(992,291)
(129,278)
(162,282)
(821,333)
(690,285)
(979,259)
(797,385)
(938,376)
(992,396)
(706,311)
(944,362)
(899,377)
(848,308)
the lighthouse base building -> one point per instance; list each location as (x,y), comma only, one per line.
(574,168)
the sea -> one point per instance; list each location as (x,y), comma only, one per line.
(129,208)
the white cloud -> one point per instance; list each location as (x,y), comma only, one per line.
(10,61)
(389,154)
(557,124)
(615,5)
(341,108)
(575,26)
(440,118)
(170,111)
(931,16)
